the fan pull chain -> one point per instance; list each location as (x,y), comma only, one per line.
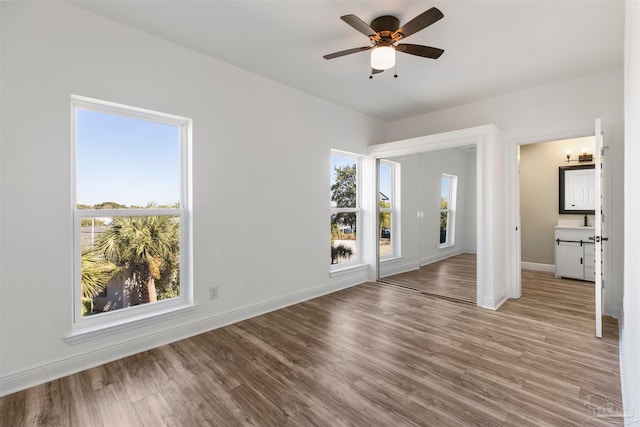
(395,69)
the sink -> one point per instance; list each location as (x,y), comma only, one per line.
(573,223)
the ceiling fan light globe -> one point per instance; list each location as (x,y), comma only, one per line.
(383,58)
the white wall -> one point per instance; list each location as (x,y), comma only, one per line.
(630,335)
(535,114)
(1,126)
(261,150)
(555,111)
(470,242)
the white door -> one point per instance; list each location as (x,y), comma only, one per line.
(598,227)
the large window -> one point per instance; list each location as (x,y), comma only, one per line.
(130,212)
(389,218)
(448,190)
(345,209)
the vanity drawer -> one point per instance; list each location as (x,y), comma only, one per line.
(590,262)
(589,253)
(575,234)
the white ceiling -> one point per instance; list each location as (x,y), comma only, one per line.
(491,47)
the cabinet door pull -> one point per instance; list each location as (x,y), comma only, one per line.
(580,261)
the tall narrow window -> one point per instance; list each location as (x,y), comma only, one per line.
(345,209)
(388,221)
(130,211)
(448,190)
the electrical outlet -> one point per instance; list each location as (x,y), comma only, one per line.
(213,292)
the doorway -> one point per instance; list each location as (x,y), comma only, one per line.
(557,211)
(540,213)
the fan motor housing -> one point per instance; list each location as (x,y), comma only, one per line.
(385,23)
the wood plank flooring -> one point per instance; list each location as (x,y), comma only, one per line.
(453,278)
(371,355)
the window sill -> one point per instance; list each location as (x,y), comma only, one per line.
(390,259)
(447,246)
(347,270)
(80,335)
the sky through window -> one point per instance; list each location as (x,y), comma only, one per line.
(125,160)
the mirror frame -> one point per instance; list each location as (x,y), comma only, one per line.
(562,203)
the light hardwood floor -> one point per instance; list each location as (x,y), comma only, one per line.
(453,277)
(371,355)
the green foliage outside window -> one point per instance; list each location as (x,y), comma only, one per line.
(385,217)
(144,248)
(344,195)
(443,214)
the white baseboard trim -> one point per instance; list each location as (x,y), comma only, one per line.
(397,266)
(626,393)
(549,268)
(391,267)
(494,303)
(502,298)
(615,313)
(14,381)
(439,257)
(621,360)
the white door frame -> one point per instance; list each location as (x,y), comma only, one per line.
(491,200)
(515,288)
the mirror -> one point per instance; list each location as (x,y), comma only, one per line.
(576,189)
(427,222)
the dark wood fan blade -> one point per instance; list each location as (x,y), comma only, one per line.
(374,71)
(359,25)
(420,22)
(420,50)
(346,52)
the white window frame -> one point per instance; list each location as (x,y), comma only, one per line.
(99,325)
(394,210)
(451,210)
(356,260)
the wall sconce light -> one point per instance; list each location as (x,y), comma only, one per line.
(582,157)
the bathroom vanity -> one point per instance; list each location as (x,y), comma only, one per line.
(574,252)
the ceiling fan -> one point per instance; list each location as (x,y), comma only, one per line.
(384,32)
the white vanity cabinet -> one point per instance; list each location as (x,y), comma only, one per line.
(575,256)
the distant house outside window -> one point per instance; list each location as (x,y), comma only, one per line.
(448,192)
